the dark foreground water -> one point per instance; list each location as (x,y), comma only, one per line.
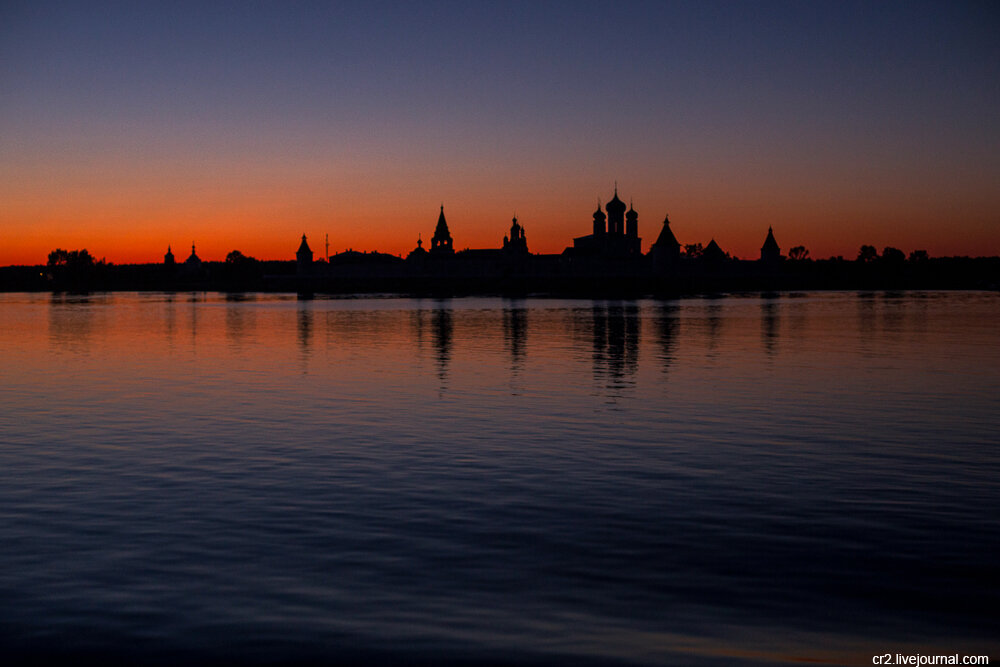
(733,481)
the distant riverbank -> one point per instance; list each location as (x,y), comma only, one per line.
(538,274)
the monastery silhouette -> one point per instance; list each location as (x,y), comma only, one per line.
(606,263)
(608,258)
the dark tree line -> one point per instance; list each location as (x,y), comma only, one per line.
(74,269)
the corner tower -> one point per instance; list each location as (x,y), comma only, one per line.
(770,252)
(666,251)
(303,258)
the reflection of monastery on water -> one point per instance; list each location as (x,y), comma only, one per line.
(608,258)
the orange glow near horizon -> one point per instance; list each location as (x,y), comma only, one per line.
(127,208)
(271,229)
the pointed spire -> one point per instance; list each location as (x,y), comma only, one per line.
(666,240)
(304,253)
(193,259)
(441,241)
(770,249)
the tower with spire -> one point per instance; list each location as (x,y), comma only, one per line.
(516,242)
(441,241)
(666,251)
(770,252)
(303,258)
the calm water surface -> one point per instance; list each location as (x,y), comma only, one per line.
(732,481)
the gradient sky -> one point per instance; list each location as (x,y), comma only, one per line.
(125,127)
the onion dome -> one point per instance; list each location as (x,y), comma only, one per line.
(616,204)
(599,214)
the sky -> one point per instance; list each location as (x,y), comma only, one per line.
(127,127)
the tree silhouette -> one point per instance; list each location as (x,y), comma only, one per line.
(73,259)
(236,257)
(73,269)
(918,256)
(240,270)
(798,253)
(892,255)
(693,250)
(867,254)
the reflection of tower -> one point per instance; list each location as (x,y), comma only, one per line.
(514,330)
(769,324)
(441,241)
(305,326)
(193,301)
(441,332)
(417,321)
(600,338)
(170,318)
(623,340)
(713,320)
(616,342)
(668,324)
